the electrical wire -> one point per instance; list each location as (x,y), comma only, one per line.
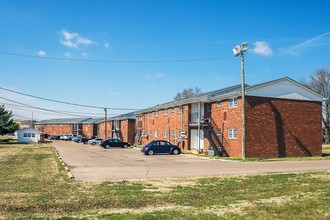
(115,61)
(73,112)
(47,110)
(67,103)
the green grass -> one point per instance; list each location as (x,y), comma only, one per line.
(33,184)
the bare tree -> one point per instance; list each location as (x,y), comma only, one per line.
(187,93)
(320,83)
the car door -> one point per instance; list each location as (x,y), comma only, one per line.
(156,147)
(116,143)
(166,147)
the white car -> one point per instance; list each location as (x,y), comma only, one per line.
(95,141)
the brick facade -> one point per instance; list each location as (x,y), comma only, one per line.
(281,128)
(55,129)
(165,124)
(274,127)
(89,130)
(101,130)
(127,128)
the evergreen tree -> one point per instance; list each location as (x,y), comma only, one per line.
(7,124)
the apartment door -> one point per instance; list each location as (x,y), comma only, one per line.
(196,141)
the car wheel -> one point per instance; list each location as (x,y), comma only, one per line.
(107,146)
(125,146)
(150,152)
(93,143)
(175,151)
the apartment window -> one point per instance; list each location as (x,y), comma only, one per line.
(25,134)
(150,132)
(180,109)
(179,133)
(219,103)
(173,109)
(172,132)
(165,111)
(233,102)
(232,133)
(156,134)
(208,107)
(156,113)
(33,135)
(165,134)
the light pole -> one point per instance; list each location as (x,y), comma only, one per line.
(238,51)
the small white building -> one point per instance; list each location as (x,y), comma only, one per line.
(28,135)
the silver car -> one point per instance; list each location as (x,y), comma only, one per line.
(95,141)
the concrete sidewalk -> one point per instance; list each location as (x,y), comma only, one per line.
(92,162)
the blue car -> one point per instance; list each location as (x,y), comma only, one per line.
(160,147)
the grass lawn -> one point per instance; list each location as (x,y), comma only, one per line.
(33,184)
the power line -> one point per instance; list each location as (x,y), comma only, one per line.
(67,103)
(43,109)
(71,113)
(115,61)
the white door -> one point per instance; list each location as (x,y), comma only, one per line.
(197,112)
(194,143)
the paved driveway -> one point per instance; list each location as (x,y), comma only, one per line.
(89,162)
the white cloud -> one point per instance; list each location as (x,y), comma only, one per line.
(67,55)
(72,40)
(42,53)
(262,48)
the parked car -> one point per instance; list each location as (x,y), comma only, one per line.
(76,139)
(85,140)
(94,141)
(55,137)
(160,147)
(114,143)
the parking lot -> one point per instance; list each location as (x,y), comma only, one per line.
(92,162)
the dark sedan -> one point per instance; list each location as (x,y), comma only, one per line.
(160,147)
(114,143)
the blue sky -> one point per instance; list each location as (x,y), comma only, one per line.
(286,38)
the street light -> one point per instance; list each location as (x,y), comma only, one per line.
(238,51)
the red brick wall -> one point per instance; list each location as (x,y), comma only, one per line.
(226,118)
(101,130)
(279,128)
(88,130)
(55,129)
(172,121)
(127,128)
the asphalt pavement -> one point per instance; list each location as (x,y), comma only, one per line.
(94,163)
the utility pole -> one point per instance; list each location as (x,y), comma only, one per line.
(32,121)
(105,123)
(238,51)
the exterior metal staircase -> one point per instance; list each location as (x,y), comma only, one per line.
(209,127)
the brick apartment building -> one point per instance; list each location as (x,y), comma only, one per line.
(63,126)
(283,118)
(121,127)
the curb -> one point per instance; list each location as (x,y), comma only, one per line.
(64,165)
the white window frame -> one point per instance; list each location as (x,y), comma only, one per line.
(156,113)
(172,132)
(219,103)
(165,111)
(232,133)
(156,134)
(233,102)
(165,134)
